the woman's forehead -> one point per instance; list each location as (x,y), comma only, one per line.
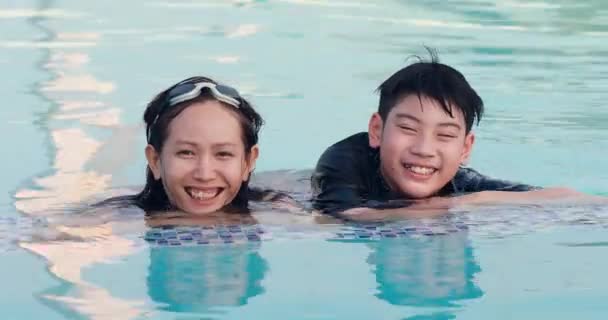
(206,122)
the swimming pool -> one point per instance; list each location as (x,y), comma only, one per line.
(76,76)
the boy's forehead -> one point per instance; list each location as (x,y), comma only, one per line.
(421,106)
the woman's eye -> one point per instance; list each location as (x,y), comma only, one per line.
(185,153)
(225,154)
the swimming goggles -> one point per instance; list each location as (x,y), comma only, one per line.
(190,90)
(186,91)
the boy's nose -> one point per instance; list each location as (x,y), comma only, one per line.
(423,147)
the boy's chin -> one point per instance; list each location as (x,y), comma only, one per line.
(418,193)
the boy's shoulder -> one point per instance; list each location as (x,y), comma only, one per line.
(346,170)
(353,150)
(469,180)
(358,142)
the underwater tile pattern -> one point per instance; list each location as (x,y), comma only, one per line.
(418,228)
(204,235)
(490,222)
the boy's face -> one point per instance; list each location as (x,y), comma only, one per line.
(421,146)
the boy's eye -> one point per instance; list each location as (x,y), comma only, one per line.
(446,136)
(408,129)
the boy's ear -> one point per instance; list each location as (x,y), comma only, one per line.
(374,130)
(469,140)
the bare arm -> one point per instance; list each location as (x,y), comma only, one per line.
(547,195)
(438,206)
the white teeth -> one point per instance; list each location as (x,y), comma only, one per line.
(203,194)
(421,170)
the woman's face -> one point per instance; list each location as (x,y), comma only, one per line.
(203,162)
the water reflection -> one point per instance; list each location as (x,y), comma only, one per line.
(435,271)
(75,100)
(77,249)
(76,105)
(203,263)
(197,279)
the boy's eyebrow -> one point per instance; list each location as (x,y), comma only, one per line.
(215,145)
(407,116)
(413,118)
(450,124)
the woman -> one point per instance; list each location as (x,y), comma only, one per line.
(202,148)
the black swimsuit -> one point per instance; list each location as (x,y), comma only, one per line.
(348,176)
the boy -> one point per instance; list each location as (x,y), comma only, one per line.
(414,149)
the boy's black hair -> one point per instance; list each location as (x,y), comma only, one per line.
(434,80)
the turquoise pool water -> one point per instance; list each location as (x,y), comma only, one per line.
(77,74)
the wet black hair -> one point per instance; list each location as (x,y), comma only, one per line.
(431,79)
